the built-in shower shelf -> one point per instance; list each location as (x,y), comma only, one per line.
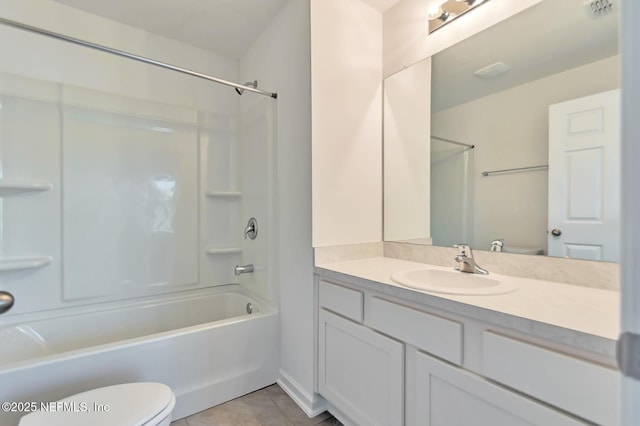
(20,263)
(223,250)
(17,185)
(224,194)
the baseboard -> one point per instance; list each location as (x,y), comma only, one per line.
(346,421)
(311,404)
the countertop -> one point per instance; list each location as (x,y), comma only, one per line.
(583,317)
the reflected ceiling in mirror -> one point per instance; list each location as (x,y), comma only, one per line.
(548,38)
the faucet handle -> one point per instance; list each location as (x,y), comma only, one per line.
(464,249)
(251,230)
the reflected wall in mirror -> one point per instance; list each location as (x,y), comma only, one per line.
(553,52)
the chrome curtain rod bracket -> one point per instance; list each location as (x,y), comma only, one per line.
(519,169)
(138,58)
(438,138)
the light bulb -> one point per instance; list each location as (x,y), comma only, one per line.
(438,13)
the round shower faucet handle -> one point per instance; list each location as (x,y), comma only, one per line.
(6,301)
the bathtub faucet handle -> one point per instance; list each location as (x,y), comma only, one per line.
(251,230)
(6,301)
(246,269)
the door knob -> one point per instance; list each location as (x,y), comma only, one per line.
(556,232)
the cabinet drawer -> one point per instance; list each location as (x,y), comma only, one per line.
(438,336)
(341,300)
(577,386)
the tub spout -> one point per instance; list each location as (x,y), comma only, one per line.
(246,269)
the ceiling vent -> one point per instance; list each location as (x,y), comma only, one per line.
(492,70)
(599,8)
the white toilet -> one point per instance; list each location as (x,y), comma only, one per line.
(130,404)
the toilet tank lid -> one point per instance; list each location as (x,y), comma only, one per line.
(524,250)
(125,404)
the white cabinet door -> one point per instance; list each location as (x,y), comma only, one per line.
(360,371)
(584,178)
(446,395)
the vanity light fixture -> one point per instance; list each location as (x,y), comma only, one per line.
(439,14)
(449,10)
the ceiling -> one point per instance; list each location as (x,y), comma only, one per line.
(381,5)
(554,34)
(550,37)
(227,27)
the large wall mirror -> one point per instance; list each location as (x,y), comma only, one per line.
(519,151)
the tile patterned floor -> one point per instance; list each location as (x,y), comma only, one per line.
(270,406)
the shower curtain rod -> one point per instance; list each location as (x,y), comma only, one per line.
(123,54)
(518,169)
(453,142)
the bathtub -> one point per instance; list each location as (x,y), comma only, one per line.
(203,344)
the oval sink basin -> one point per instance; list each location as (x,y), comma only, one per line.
(451,282)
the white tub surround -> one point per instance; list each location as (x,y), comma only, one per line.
(131,211)
(203,344)
(550,342)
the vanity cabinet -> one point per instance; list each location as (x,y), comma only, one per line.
(580,387)
(385,360)
(448,395)
(360,371)
(434,334)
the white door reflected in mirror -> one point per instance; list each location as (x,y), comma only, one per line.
(584,177)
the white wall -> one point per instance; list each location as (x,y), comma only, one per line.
(280,61)
(510,130)
(406,38)
(346,69)
(407,117)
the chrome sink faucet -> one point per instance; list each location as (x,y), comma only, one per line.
(466,262)
(497,245)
